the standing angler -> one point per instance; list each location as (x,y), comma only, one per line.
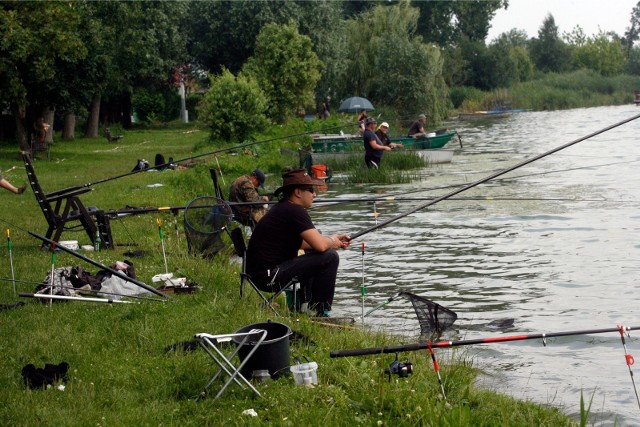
(373,147)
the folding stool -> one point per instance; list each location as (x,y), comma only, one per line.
(210,344)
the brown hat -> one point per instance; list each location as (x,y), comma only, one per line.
(296,177)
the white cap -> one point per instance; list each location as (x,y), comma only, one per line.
(385,124)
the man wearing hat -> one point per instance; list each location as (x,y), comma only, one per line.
(417,129)
(373,147)
(245,189)
(383,136)
(272,255)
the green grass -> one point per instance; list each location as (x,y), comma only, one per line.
(119,372)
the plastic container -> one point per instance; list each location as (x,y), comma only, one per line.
(319,171)
(69,244)
(431,134)
(272,355)
(289,292)
(305,373)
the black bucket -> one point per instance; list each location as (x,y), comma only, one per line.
(273,353)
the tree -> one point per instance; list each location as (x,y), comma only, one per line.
(548,51)
(233,108)
(286,68)
(141,44)
(600,54)
(388,63)
(632,34)
(223,33)
(35,38)
(447,23)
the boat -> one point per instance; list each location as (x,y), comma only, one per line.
(481,115)
(429,147)
(344,142)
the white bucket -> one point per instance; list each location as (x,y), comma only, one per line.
(305,373)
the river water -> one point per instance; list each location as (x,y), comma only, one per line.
(554,245)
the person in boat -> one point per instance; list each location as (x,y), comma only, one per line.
(383,136)
(245,189)
(373,147)
(272,255)
(9,186)
(362,119)
(417,129)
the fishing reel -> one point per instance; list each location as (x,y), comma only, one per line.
(401,369)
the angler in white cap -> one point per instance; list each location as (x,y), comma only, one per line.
(383,135)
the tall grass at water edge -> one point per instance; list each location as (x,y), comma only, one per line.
(396,168)
(120,373)
(552,91)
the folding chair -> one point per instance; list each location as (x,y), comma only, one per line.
(210,344)
(68,208)
(241,250)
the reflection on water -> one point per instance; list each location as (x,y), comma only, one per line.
(554,246)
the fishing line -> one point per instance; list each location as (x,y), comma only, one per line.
(488,178)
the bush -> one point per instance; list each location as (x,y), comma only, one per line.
(234,108)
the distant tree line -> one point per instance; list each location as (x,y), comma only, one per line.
(261,62)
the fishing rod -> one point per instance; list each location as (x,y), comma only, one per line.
(489,340)
(488,178)
(97,264)
(220,150)
(69,298)
(30,282)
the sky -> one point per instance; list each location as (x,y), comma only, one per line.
(591,15)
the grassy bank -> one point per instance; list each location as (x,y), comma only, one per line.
(120,373)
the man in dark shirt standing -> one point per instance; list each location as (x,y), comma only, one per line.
(272,256)
(373,147)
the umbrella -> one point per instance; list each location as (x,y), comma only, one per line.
(355,104)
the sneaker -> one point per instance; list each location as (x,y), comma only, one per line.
(22,188)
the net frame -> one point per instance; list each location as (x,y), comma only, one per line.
(433,318)
(205,220)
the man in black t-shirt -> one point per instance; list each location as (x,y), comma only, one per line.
(373,147)
(272,255)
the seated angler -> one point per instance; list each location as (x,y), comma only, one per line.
(272,256)
(245,189)
(417,128)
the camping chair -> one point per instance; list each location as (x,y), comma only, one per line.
(211,344)
(68,208)
(241,250)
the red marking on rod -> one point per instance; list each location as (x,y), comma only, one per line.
(507,338)
(630,359)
